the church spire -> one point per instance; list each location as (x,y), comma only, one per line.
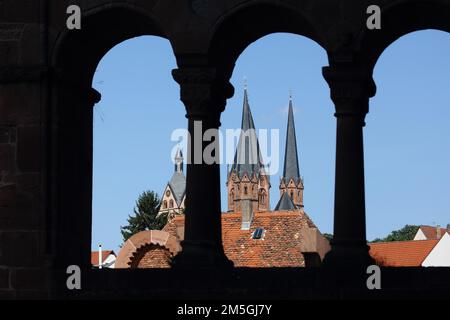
(291,183)
(247,158)
(248,184)
(291,169)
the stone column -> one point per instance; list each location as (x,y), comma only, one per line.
(73,144)
(204,93)
(351,87)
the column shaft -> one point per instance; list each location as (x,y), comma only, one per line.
(350,91)
(204,94)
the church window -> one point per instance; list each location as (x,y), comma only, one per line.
(171,203)
(164,204)
(245,190)
(262,197)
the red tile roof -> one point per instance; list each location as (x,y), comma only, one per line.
(105,254)
(280,245)
(401,253)
(430,232)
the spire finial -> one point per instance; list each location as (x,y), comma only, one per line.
(245,82)
(290,94)
(179,159)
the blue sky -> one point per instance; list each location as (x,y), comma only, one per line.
(407,144)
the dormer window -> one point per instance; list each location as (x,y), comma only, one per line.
(258,234)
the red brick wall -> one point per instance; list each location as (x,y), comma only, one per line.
(152,256)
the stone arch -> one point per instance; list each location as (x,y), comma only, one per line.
(144,239)
(75,57)
(233,33)
(399,19)
(103,27)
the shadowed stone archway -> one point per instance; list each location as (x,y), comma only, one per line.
(46,103)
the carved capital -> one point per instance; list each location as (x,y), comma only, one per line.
(203,91)
(93,96)
(351,87)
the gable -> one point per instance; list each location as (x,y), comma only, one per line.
(167,198)
(440,255)
(420,235)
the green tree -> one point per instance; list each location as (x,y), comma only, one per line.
(145,215)
(328,236)
(404,234)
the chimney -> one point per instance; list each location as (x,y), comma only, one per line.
(100,258)
(438,232)
(247,214)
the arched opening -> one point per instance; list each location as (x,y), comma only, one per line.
(270,65)
(262,197)
(133,151)
(406,154)
(233,34)
(76,58)
(399,19)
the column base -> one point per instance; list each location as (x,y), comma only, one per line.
(348,255)
(198,254)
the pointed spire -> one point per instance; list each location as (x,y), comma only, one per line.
(247,158)
(291,167)
(285,203)
(178,181)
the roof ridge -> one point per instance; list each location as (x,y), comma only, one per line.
(400,241)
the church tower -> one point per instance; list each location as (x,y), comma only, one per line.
(172,201)
(291,183)
(248,184)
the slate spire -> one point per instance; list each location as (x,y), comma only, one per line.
(247,158)
(178,181)
(285,203)
(291,168)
